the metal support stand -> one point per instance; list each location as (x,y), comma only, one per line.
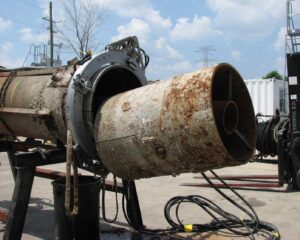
(21,196)
(10,156)
(245,182)
(25,163)
(133,206)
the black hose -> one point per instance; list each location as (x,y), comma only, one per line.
(221,219)
(265,142)
(103,201)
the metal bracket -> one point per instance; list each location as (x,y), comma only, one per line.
(86,163)
(82,85)
(130,46)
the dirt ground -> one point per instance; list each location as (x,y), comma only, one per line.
(279,206)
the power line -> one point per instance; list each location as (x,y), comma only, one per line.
(20,42)
(24,23)
(28,4)
(13,41)
(18,20)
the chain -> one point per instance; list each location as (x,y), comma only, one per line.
(5,86)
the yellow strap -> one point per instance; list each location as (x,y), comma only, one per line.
(188,227)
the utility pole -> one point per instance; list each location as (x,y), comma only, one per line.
(51,34)
(51,42)
(206,51)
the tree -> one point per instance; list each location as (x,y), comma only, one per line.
(79,30)
(273,74)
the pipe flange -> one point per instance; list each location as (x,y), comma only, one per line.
(82,89)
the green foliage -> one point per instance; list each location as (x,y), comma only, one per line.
(273,74)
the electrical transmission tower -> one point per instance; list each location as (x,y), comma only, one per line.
(40,55)
(206,55)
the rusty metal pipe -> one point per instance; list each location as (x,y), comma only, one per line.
(172,126)
(190,123)
(43,102)
(32,102)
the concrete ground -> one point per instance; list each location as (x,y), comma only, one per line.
(280,207)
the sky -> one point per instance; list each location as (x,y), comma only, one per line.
(248,34)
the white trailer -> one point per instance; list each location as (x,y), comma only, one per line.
(268,95)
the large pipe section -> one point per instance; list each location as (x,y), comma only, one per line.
(43,102)
(190,123)
(33,102)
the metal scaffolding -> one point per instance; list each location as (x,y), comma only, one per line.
(293,31)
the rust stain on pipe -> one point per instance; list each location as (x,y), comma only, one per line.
(179,117)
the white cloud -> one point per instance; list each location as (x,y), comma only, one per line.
(279,44)
(137,9)
(6,46)
(136,27)
(6,59)
(159,71)
(8,62)
(28,36)
(236,55)
(4,24)
(157,20)
(165,49)
(181,67)
(198,28)
(248,17)
(128,8)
